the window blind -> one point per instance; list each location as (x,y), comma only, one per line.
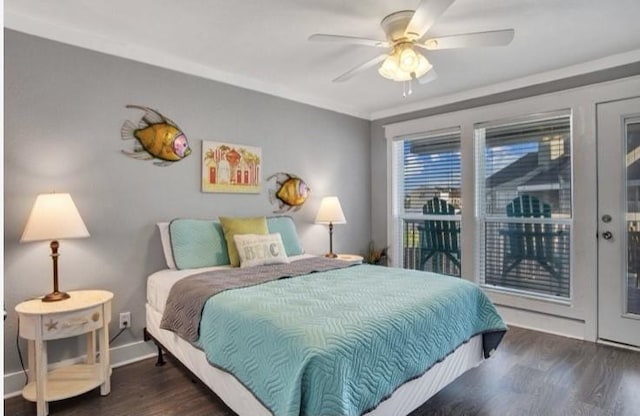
(523,172)
(431,168)
(426,167)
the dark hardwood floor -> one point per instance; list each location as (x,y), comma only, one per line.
(531,374)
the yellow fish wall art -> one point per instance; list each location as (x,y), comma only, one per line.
(156,137)
(290,192)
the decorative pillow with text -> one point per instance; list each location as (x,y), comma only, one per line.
(259,249)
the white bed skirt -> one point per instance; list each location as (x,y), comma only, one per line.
(403,401)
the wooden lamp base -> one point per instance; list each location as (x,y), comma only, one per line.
(56,295)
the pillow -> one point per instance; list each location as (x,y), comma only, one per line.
(197,243)
(287,229)
(259,249)
(166,244)
(232,226)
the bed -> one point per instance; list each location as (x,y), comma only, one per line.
(330,337)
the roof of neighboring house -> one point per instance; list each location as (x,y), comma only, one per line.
(560,167)
(633,142)
(528,163)
(633,171)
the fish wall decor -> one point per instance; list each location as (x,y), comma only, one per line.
(156,137)
(290,192)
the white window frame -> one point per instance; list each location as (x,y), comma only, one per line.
(397,214)
(539,311)
(482,219)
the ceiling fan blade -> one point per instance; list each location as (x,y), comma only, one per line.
(425,16)
(362,67)
(353,40)
(471,40)
(428,77)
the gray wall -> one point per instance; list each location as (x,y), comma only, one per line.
(64,107)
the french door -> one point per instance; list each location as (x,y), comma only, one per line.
(618,145)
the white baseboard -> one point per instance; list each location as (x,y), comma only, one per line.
(121,355)
(541,322)
(130,353)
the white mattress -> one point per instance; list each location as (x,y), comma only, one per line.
(159,283)
(402,402)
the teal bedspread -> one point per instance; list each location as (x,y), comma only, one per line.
(340,342)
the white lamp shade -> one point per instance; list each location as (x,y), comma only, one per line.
(330,211)
(54,217)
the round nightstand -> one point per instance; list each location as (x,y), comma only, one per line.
(85,312)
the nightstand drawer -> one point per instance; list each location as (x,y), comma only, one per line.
(69,324)
(62,324)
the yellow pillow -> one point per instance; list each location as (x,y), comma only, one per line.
(232,226)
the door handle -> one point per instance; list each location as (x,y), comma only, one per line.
(607,235)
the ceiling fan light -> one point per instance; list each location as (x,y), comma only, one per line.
(424,66)
(389,68)
(408,59)
(392,67)
(393,72)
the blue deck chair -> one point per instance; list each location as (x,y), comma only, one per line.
(439,237)
(534,242)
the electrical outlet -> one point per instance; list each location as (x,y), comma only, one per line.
(125,320)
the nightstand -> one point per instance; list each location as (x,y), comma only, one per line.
(350,257)
(85,312)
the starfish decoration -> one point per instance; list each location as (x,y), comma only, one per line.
(51,325)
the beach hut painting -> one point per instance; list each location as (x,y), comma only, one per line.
(231,168)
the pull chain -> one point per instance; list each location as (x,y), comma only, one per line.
(407,92)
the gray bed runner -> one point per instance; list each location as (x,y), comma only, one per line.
(187,297)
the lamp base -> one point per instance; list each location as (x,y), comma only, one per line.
(55,296)
(331,255)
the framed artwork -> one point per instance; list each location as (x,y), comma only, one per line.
(228,167)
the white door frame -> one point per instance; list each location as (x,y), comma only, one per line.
(614,322)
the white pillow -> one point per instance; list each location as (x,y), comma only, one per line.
(165,237)
(259,249)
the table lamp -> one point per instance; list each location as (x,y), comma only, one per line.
(330,212)
(54,217)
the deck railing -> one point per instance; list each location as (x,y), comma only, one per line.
(528,276)
(412,252)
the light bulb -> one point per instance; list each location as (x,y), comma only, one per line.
(408,59)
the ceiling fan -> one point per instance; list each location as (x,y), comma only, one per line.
(405,33)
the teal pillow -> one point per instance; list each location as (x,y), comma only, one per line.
(197,243)
(287,229)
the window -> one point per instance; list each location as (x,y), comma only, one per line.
(524,213)
(427,202)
